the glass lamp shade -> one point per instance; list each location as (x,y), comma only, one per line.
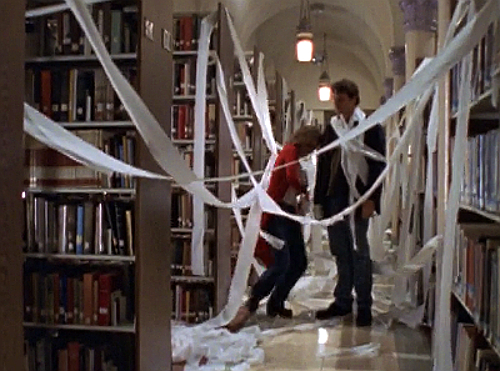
(304,47)
(325,93)
(324,89)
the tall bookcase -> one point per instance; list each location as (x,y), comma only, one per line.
(475,309)
(97,262)
(199,297)
(11,43)
(193,296)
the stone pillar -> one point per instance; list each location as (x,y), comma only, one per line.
(388,89)
(397,56)
(420,24)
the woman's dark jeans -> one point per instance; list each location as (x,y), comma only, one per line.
(290,262)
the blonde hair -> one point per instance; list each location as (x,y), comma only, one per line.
(307,135)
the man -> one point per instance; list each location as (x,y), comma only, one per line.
(343,175)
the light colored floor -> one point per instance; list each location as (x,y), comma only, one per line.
(395,349)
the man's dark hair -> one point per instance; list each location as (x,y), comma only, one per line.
(347,87)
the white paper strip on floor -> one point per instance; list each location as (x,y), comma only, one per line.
(366,350)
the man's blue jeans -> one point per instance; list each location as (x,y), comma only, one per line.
(289,263)
(353,266)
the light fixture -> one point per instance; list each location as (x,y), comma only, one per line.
(304,46)
(324,89)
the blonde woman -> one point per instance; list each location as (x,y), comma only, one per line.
(285,265)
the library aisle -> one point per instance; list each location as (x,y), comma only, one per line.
(394,349)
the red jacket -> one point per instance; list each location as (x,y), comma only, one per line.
(280,181)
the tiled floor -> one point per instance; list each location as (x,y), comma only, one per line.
(394,349)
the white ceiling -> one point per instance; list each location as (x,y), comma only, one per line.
(359,35)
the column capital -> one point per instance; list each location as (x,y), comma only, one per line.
(397,55)
(419,15)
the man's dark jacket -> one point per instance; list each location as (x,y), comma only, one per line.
(330,178)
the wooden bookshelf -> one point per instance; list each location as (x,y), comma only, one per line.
(81,258)
(153,297)
(144,270)
(74,59)
(99,125)
(224,158)
(475,294)
(484,332)
(80,190)
(11,126)
(118,329)
(487,216)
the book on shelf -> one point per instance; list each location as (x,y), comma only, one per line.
(185,77)
(476,274)
(60,34)
(183,121)
(46,167)
(480,186)
(51,354)
(469,351)
(482,70)
(78,226)
(181,259)
(191,304)
(69,94)
(187,28)
(69,297)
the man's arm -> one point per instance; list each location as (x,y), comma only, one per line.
(375,139)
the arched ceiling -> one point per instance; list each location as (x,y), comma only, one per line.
(359,36)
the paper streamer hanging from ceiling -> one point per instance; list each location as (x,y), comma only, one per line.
(198,235)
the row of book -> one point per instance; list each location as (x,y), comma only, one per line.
(182,212)
(60,33)
(187,153)
(480,185)
(46,167)
(477,275)
(469,355)
(191,305)
(62,226)
(186,32)
(242,106)
(183,121)
(63,297)
(76,94)
(185,78)
(237,167)
(181,258)
(483,65)
(49,354)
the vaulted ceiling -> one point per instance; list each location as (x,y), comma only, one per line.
(359,34)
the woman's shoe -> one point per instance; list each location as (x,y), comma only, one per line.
(239,320)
